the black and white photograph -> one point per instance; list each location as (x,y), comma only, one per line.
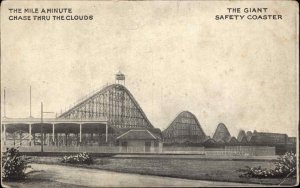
(152,93)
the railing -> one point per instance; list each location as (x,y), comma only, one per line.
(251,150)
(184,150)
(241,151)
(77,149)
(231,151)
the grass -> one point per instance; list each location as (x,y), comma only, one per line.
(38,180)
(220,170)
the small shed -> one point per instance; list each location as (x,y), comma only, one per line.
(139,141)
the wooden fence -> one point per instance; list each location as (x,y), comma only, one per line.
(183,150)
(227,151)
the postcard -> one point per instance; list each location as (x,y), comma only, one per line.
(162,93)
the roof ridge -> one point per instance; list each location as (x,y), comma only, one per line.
(151,134)
(124,133)
(132,130)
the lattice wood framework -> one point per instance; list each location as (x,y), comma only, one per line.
(184,128)
(116,104)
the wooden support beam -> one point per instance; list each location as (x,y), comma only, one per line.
(29,134)
(80,133)
(106,132)
(53,133)
(4,134)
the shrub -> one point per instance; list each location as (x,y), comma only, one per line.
(14,165)
(286,164)
(284,167)
(81,158)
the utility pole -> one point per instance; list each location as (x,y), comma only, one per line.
(42,134)
(42,126)
(4,107)
(30,115)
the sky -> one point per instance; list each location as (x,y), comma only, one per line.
(175,56)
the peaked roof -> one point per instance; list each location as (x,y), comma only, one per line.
(137,135)
(244,140)
(209,141)
(232,140)
(221,133)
